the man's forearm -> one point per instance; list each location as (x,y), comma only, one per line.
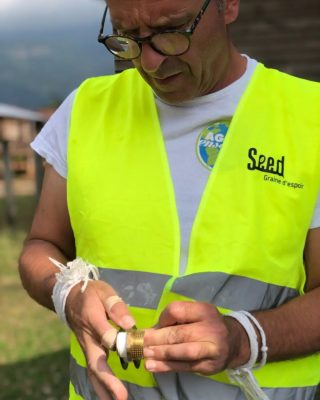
(37,272)
(293,329)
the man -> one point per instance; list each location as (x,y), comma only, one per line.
(121,167)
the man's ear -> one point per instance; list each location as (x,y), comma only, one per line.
(231,10)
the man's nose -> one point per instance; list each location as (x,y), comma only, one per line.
(150,59)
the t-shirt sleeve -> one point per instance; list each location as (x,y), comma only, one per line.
(315,223)
(52,141)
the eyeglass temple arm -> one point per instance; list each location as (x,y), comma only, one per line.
(103,21)
(199,16)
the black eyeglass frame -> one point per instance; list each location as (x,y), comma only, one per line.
(148,39)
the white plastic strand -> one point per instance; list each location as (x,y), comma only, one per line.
(69,276)
(243,375)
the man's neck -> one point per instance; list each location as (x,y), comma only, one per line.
(237,65)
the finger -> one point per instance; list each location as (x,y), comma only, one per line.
(85,311)
(108,340)
(98,323)
(183,312)
(182,352)
(205,367)
(111,301)
(118,312)
(105,384)
(99,390)
(174,335)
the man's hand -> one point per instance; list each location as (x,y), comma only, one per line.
(195,337)
(87,314)
(51,235)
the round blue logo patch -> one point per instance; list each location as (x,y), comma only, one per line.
(210,141)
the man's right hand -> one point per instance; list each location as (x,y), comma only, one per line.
(87,314)
(51,235)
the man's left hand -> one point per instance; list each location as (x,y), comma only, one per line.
(195,337)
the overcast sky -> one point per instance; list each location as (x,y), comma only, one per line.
(26,15)
(48,47)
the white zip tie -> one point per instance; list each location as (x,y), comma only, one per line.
(247,383)
(69,276)
(251,333)
(243,375)
(264,347)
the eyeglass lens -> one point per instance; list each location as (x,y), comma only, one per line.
(122,47)
(168,43)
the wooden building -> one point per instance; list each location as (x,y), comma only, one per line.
(282,34)
(17,129)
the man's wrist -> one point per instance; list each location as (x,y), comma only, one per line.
(239,346)
(70,275)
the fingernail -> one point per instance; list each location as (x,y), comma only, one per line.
(148,353)
(150,365)
(127,322)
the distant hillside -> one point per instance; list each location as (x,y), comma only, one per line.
(38,70)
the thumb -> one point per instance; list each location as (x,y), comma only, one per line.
(118,311)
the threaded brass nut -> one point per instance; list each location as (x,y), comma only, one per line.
(134,343)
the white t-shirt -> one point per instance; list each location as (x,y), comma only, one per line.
(193,133)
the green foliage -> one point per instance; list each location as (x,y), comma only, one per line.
(33,343)
(39,378)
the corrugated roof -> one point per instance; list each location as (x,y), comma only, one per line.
(9,111)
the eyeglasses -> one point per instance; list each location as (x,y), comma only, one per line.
(168,43)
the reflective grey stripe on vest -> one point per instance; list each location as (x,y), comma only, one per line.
(80,381)
(138,289)
(144,289)
(188,386)
(184,386)
(82,386)
(232,291)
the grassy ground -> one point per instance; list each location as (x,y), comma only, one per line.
(33,343)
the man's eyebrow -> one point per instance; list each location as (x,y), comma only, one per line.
(162,22)
(171,20)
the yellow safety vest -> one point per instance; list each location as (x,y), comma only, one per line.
(247,240)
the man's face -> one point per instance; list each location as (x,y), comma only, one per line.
(177,78)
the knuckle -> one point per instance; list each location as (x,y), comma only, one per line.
(206,371)
(205,368)
(193,366)
(174,336)
(206,306)
(176,309)
(194,352)
(166,353)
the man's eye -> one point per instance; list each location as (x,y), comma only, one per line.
(176,28)
(124,33)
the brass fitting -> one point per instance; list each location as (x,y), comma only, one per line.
(135,344)
(129,347)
